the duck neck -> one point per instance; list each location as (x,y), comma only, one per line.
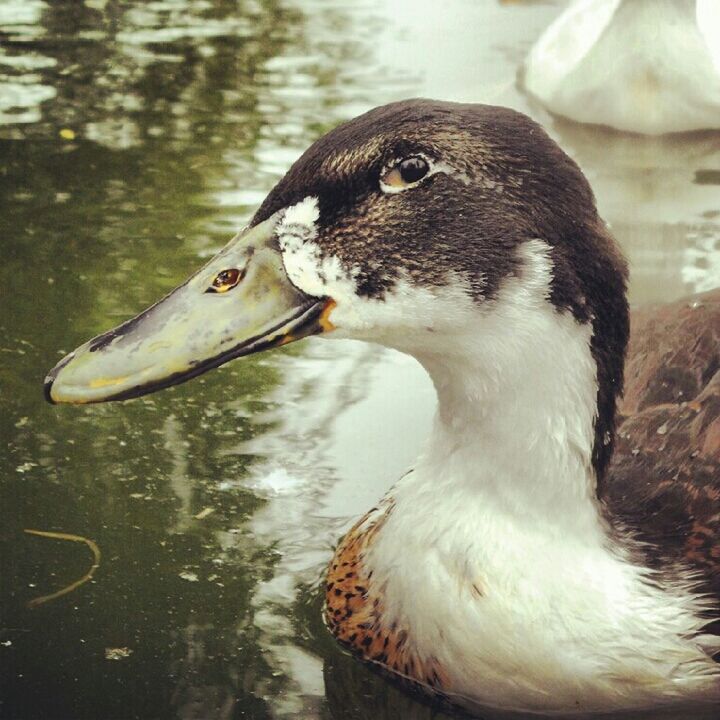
(515,424)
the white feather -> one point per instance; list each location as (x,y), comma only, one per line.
(565,43)
(307,267)
(648,66)
(708,20)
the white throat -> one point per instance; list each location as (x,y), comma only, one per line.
(517,401)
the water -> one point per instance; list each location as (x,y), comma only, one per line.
(135,137)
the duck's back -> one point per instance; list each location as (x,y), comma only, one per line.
(664,479)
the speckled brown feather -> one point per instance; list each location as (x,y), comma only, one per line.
(664,480)
(354,611)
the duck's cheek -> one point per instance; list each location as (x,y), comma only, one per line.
(321,275)
(410,317)
(390,320)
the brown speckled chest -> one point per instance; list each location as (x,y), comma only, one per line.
(354,611)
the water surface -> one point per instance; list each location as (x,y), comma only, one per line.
(135,138)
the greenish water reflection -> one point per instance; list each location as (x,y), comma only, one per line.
(135,138)
(125,126)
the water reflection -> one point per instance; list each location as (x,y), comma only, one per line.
(103,219)
(22,90)
(135,137)
(648,191)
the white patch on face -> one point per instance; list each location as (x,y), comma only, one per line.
(441,167)
(304,214)
(304,263)
(311,271)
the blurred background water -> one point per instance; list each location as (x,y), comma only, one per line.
(135,138)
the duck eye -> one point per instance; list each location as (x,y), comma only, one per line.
(405,173)
(413,169)
(226,280)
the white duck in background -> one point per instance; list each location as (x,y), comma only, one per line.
(644,66)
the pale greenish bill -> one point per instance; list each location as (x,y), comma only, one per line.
(240,303)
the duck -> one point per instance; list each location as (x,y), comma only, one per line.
(643,66)
(555,549)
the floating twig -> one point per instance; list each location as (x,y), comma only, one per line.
(87,576)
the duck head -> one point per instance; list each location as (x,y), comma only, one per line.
(403,227)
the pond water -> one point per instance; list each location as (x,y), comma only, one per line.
(135,138)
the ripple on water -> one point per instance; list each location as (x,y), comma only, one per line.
(21,14)
(22,91)
(186,112)
(701,267)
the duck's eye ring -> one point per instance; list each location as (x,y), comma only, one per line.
(405,173)
(226,280)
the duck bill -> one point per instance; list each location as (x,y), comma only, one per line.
(240,303)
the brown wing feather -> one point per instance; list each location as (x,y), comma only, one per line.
(664,479)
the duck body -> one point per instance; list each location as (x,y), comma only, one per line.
(523,564)
(644,66)
(586,603)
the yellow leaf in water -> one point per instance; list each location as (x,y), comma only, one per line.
(67,134)
(204,513)
(117,653)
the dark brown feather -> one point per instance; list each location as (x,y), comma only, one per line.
(664,479)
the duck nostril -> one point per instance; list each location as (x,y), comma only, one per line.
(226,280)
